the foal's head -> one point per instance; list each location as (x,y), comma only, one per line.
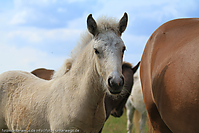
(108,50)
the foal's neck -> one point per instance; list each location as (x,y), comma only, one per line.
(85,73)
(91,89)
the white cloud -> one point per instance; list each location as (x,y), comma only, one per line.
(72,1)
(147,9)
(61,34)
(134,47)
(32,37)
(23,3)
(19,18)
(62,10)
(26,59)
(78,23)
(134,40)
(35,36)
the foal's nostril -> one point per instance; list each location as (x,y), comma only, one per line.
(109,81)
(116,83)
(122,81)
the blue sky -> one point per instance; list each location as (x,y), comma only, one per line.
(42,33)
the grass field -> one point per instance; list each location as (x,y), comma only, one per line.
(118,125)
(115,125)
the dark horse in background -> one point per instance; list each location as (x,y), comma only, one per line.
(114,105)
(169,73)
(43,73)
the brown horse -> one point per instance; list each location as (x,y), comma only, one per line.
(169,73)
(114,105)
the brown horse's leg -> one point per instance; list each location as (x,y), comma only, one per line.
(155,119)
(157,123)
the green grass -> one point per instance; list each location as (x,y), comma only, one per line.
(118,125)
(115,125)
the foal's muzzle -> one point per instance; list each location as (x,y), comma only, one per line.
(115,84)
(117,113)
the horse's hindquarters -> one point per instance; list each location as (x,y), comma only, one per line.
(176,91)
(169,76)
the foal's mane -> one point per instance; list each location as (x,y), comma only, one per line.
(103,24)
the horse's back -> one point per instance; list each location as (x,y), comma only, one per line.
(14,78)
(12,82)
(11,79)
(16,89)
(170,75)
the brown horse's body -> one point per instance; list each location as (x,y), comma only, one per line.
(170,77)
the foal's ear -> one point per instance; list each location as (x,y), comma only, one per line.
(123,23)
(91,25)
(134,69)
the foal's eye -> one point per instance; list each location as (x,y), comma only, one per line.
(96,51)
(124,48)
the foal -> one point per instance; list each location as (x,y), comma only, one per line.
(74,100)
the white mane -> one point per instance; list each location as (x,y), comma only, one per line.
(103,24)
